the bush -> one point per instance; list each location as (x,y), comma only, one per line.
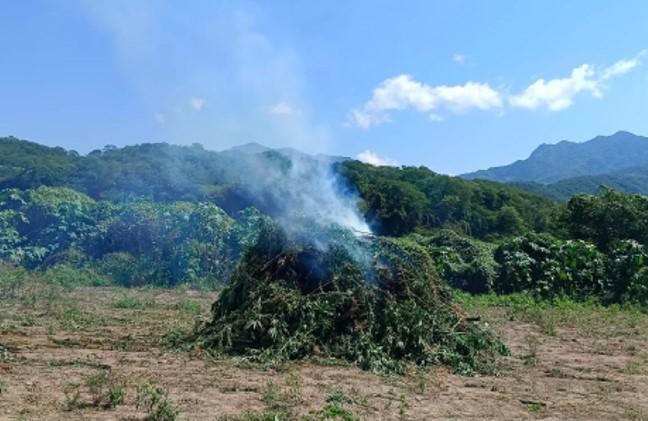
(548,267)
(67,276)
(122,268)
(627,269)
(155,400)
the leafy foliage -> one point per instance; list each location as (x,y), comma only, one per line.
(607,218)
(400,200)
(133,243)
(546,266)
(291,300)
(463,262)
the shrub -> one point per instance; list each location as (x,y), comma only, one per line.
(627,269)
(69,276)
(548,267)
(155,400)
(123,268)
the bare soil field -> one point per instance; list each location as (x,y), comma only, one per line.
(84,354)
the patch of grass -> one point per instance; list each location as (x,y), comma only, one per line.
(534,407)
(633,367)
(103,390)
(116,395)
(154,399)
(589,318)
(96,384)
(334,408)
(636,414)
(270,393)
(72,317)
(189,306)
(131,302)
(71,277)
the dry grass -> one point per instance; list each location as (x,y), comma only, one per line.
(63,351)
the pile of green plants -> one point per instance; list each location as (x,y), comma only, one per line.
(462,262)
(374,302)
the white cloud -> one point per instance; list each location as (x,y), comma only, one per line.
(370,157)
(160,118)
(402,92)
(283,109)
(559,94)
(197,103)
(459,58)
(622,66)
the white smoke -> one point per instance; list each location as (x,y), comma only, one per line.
(302,192)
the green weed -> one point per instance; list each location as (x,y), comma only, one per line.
(155,401)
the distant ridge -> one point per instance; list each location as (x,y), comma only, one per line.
(564,160)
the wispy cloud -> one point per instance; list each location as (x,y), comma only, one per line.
(197,103)
(283,109)
(559,94)
(459,58)
(403,92)
(160,118)
(370,157)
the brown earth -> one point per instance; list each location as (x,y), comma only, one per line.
(564,365)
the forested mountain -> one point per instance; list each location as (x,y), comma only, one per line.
(631,180)
(566,160)
(394,200)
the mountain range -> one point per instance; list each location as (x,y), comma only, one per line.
(563,169)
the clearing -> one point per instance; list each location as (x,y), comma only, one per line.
(62,350)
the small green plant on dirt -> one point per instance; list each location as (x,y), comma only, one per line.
(531,357)
(294,387)
(103,390)
(3,388)
(97,385)
(334,408)
(403,406)
(534,407)
(154,399)
(270,393)
(116,395)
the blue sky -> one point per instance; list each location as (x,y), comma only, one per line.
(452,85)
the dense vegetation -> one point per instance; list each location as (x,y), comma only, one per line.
(163,214)
(133,242)
(397,201)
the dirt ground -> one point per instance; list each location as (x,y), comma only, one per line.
(52,343)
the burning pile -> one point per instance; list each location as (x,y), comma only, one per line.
(373,302)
